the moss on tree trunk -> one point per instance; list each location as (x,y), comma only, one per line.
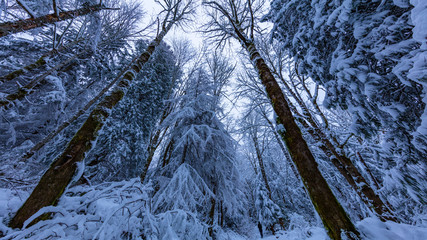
(329,209)
(55,180)
(31,23)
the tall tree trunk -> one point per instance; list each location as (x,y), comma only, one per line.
(329,209)
(333,216)
(211,217)
(344,165)
(347,169)
(155,141)
(65,124)
(31,23)
(261,164)
(151,149)
(40,62)
(25,90)
(264,177)
(373,179)
(60,173)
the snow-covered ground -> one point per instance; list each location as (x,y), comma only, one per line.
(83,217)
(371,228)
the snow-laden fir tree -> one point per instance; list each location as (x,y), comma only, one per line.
(269,212)
(360,52)
(196,171)
(121,149)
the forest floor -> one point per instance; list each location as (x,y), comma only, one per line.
(103,204)
(371,228)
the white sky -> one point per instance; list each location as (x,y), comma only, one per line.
(152,9)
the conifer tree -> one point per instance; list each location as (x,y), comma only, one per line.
(122,146)
(58,176)
(360,52)
(236,19)
(201,172)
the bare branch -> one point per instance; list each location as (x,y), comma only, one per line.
(26,8)
(55,8)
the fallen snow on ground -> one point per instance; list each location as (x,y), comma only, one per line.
(370,228)
(10,201)
(310,233)
(374,229)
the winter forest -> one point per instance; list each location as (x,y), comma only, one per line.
(213,119)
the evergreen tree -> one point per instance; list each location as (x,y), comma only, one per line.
(268,212)
(197,172)
(236,19)
(61,171)
(121,148)
(360,52)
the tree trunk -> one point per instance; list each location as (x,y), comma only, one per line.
(40,62)
(31,23)
(373,179)
(211,217)
(60,173)
(167,154)
(329,209)
(151,150)
(64,125)
(344,165)
(353,176)
(154,143)
(261,165)
(25,90)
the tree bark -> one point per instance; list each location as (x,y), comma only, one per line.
(25,90)
(261,164)
(349,171)
(40,62)
(55,180)
(65,124)
(344,165)
(329,209)
(211,216)
(31,23)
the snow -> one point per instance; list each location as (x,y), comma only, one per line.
(110,209)
(419,70)
(370,228)
(311,233)
(374,229)
(10,201)
(419,20)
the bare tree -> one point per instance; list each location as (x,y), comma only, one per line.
(236,19)
(63,168)
(31,23)
(26,8)
(115,30)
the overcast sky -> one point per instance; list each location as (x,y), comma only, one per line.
(152,9)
